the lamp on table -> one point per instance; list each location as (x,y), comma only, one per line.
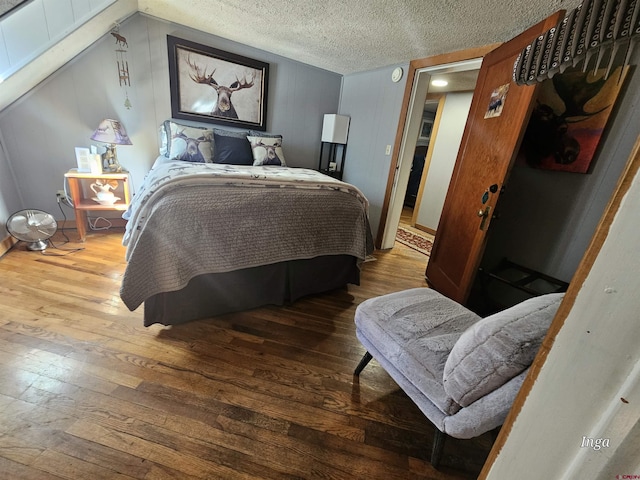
(112,133)
(335,129)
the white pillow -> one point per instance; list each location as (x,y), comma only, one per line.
(162,140)
(190,144)
(497,348)
(267,150)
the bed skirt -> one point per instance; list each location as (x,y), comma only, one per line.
(276,284)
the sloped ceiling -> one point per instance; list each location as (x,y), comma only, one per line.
(342,36)
(349,36)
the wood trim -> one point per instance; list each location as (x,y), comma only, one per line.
(6,243)
(453,57)
(624,183)
(443,59)
(426,229)
(66,225)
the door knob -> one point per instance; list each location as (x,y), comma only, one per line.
(484,214)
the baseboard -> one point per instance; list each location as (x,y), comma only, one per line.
(115,222)
(66,224)
(71,224)
(430,231)
(8,241)
(6,244)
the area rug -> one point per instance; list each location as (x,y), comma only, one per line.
(414,240)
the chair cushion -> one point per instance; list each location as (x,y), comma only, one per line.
(414,330)
(497,348)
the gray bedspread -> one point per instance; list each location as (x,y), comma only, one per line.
(190,219)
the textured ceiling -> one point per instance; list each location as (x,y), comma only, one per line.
(349,36)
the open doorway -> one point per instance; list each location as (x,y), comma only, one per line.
(451,108)
(418,164)
(413,130)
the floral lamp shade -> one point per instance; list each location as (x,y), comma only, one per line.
(111,131)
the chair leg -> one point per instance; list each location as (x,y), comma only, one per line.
(366,358)
(438,445)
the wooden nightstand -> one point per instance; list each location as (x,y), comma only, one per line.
(85,198)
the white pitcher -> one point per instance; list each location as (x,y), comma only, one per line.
(103,192)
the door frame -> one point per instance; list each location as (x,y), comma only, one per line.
(408,126)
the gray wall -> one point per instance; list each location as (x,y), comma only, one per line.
(10,200)
(41,129)
(373,102)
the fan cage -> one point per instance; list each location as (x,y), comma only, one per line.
(34,227)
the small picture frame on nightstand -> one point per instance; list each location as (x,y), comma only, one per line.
(83,156)
(87,161)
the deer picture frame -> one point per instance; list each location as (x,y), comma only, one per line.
(203,81)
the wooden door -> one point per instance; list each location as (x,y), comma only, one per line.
(487,151)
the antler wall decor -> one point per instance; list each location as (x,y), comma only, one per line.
(594,28)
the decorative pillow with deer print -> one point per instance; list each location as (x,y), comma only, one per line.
(190,144)
(267,150)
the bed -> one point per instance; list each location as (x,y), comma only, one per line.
(205,239)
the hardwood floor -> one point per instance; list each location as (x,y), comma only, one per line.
(87,392)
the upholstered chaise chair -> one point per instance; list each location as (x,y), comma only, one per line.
(462,371)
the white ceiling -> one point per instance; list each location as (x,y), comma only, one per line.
(349,36)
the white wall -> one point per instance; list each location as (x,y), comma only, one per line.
(33,28)
(46,64)
(445,145)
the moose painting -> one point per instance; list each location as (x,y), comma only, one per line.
(209,85)
(569,118)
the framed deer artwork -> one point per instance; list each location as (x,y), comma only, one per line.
(210,85)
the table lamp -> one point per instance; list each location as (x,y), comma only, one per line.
(111,132)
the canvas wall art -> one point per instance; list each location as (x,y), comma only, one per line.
(210,85)
(569,119)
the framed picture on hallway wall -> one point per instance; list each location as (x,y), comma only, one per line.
(425,129)
(210,85)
